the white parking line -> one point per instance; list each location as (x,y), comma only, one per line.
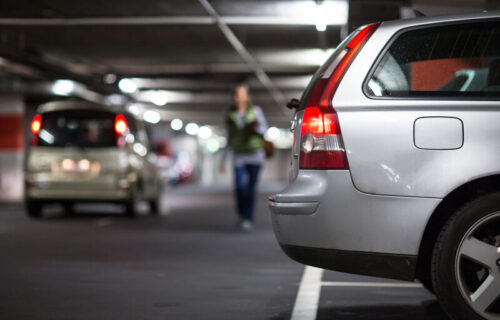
(306,303)
(371,284)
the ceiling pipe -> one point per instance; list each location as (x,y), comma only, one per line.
(229,20)
(277,95)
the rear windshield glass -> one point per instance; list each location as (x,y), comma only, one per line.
(447,61)
(78,128)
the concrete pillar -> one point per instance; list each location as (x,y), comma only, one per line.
(11,147)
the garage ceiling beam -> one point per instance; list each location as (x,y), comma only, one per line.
(277,95)
(228,20)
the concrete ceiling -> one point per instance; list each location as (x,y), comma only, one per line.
(177,45)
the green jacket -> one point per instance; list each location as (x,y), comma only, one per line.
(244,139)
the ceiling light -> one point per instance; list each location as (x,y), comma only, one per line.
(63,87)
(321,26)
(127,85)
(213,145)
(176,124)
(321,19)
(109,78)
(152,116)
(134,109)
(192,128)
(205,132)
(159,98)
(272,133)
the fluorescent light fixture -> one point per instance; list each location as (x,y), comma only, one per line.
(140,149)
(176,124)
(127,85)
(321,26)
(63,87)
(321,17)
(116,99)
(159,98)
(272,133)
(192,128)
(134,109)
(205,132)
(213,145)
(152,116)
(299,12)
(109,78)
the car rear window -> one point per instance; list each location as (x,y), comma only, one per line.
(78,128)
(448,61)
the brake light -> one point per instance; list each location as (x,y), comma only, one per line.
(36,124)
(121,125)
(321,139)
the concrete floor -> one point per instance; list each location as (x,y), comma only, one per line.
(189,263)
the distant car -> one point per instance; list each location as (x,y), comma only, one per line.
(395,174)
(87,152)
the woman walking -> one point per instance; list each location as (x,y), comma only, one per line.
(246,126)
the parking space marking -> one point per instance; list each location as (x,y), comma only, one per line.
(306,303)
(370,284)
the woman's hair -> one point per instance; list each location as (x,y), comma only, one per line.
(242,85)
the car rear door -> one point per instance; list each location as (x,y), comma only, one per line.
(407,132)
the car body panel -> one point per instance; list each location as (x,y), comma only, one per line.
(398,174)
(390,163)
(348,219)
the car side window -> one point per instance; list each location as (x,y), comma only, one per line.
(458,60)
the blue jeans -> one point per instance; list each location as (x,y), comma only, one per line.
(245,186)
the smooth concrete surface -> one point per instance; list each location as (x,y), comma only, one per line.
(188,263)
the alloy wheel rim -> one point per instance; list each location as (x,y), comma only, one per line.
(476,266)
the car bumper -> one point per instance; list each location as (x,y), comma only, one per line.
(321,219)
(45,188)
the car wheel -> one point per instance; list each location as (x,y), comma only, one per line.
(154,206)
(34,209)
(131,204)
(466,261)
(69,208)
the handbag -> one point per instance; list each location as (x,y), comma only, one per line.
(268,148)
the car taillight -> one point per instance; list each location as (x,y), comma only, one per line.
(321,139)
(36,126)
(121,125)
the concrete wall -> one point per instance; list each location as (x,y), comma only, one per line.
(11,147)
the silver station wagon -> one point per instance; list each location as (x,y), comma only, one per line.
(83,152)
(395,169)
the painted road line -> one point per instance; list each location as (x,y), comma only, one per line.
(370,284)
(306,303)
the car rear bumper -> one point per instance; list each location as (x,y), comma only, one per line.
(109,188)
(320,218)
(401,267)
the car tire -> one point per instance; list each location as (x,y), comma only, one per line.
(154,206)
(465,263)
(131,204)
(34,209)
(69,208)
